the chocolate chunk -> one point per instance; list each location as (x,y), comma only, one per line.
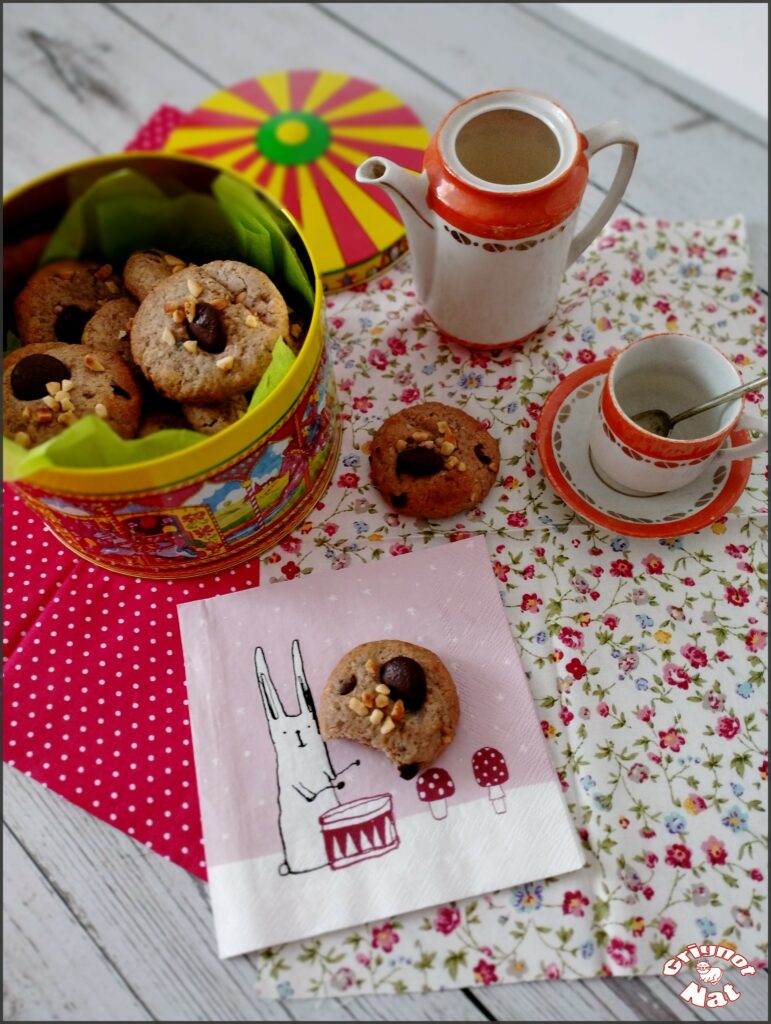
(119,391)
(482,455)
(346,686)
(419,462)
(70,323)
(405,679)
(31,374)
(408,771)
(399,500)
(207,329)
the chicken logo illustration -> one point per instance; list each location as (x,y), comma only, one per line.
(316,829)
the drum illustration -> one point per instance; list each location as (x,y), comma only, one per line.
(358,830)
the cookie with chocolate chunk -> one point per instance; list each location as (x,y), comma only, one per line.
(395,697)
(207,333)
(47,388)
(59,300)
(433,461)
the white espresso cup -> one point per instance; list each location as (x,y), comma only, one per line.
(673,372)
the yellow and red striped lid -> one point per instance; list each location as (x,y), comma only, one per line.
(300,135)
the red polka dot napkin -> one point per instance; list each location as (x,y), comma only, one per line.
(95,705)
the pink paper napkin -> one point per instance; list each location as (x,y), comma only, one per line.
(280,829)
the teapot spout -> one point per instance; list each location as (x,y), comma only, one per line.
(407,190)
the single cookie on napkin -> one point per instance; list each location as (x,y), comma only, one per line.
(395,697)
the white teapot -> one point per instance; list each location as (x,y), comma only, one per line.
(491,220)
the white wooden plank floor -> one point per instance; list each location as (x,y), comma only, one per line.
(97,927)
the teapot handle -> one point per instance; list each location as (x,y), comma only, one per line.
(608,134)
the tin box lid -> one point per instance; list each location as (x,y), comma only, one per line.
(300,135)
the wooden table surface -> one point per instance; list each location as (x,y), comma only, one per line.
(97,927)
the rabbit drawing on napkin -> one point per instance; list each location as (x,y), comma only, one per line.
(306,782)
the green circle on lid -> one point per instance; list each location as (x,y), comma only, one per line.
(294,137)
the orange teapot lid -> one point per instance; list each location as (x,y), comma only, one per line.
(300,136)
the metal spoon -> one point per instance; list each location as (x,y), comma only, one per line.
(656,421)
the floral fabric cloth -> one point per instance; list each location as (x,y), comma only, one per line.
(646,658)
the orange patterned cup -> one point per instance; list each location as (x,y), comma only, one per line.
(672,372)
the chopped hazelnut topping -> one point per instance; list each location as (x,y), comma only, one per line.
(194,287)
(178,316)
(67,385)
(368,699)
(22,438)
(401,444)
(251,320)
(168,336)
(66,418)
(376,717)
(189,305)
(92,363)
(356,706)
(382,688)
(190,345)
(53,386)
(381,701)
(101,410)
(397,711)
(226,363)
(387,726)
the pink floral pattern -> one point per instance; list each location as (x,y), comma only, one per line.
(647,659)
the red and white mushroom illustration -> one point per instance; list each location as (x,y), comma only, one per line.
(490,771)
(435,785)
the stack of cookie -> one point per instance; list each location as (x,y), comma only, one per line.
(168,344)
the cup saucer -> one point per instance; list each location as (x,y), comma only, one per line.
(563,444)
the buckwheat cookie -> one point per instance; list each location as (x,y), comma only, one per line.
(210,419)
(207,333)
(433,461)
(144,270)
(46,388)
(109,329)
(395,697)
(59,299)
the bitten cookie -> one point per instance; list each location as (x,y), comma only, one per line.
(59,299)
(144,270)
(207,333)
(433,461)
(109,329)
(210,419)
(395,697)
(47,388)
